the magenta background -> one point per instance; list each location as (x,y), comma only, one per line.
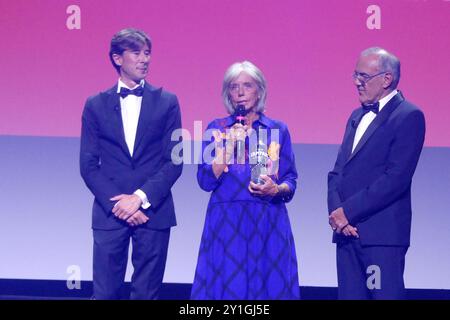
(306,49)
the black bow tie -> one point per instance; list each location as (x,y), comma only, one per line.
(124,92)
(373,107)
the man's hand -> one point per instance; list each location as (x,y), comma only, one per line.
(126,206)
(339,223)
(137,219)
(338,220)
(349,230)
(269,188)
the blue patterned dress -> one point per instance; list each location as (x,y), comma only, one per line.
(247,250)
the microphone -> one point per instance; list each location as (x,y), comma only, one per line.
(239,115)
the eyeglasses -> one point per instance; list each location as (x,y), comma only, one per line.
(363,78)
(236,87)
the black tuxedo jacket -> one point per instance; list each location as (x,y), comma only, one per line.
(107,167)
(373,184)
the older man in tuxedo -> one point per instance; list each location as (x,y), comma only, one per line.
(369,189)
(125,160)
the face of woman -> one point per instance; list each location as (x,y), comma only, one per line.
(244,90)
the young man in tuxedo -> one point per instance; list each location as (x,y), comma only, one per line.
(369,189)
(125,160)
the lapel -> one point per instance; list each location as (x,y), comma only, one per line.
(149,108)
(382,116)
(350,133)
(115,117)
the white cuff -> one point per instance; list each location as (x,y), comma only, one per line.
(141,194)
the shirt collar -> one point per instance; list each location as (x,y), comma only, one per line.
(263,119)
(386,99)
(121,84)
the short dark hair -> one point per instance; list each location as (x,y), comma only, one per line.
(128,39)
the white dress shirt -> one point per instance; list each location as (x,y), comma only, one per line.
(130,108)
(368,118)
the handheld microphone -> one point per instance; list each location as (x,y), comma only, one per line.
(240,144)
(240,113)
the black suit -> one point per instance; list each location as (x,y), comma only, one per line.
(108,170)
(373,185)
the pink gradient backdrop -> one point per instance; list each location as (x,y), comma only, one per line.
(306,49)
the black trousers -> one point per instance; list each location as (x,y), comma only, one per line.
(370,272)
(149,255)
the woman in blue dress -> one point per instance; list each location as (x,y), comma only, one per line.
(247,250)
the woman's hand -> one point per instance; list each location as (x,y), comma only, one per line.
(223,155)
(238,132)
(269,188)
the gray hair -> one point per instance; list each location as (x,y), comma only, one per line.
(233,72)
(386,62)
